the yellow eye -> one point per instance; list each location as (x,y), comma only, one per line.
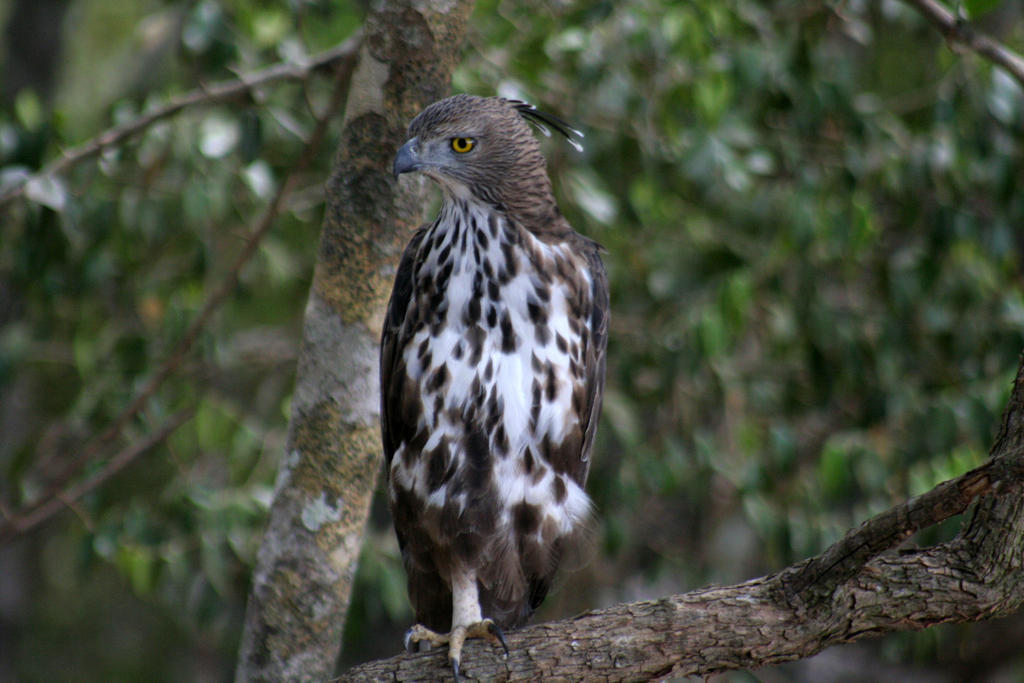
(462,145)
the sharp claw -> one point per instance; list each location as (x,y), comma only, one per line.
(485,628)
(407,641)
(455,641)
(496,631)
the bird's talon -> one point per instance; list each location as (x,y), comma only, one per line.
(421,634)
(408,642)
(498,635)
(485,628)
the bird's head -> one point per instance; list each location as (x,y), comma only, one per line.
(481,148)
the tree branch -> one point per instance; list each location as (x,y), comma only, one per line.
(958,31)
(59,500)
(337,57)
(846,558)
(49,503)
(858,587)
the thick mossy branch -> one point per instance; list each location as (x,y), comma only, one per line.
(860,586)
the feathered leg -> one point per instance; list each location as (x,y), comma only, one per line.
(466,622)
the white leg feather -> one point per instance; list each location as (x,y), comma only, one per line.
(465,598)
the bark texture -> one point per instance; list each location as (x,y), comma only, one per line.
(868,583)
(306,564)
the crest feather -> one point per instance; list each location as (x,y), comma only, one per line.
(546,121)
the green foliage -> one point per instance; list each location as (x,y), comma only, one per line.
(105,267)
(812,219)
(978,8)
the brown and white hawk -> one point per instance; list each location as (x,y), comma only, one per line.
(492,372)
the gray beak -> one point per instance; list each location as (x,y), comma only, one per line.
(406,160)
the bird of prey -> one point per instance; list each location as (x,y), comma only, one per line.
(492,373)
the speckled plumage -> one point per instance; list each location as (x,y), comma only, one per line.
(492,370)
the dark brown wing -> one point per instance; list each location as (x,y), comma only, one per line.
(594,358)
(572,456)
(396,425)
(400,409)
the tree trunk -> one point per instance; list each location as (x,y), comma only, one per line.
(307,561)
(861,586)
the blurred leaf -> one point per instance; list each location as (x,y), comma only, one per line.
(214,427)
(137,565)
(620,417)
(218,135)
(201,27)
(977,8)
(251,136)
(270,26)
(833,471)
(10,176)
(28,109)
(214,564)
(260,179)
(47,190)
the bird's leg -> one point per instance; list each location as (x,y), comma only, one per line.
(466,622)
(466,619)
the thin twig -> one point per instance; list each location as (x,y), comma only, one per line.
(35,514)
(963,33)
(204,95)
(67,498)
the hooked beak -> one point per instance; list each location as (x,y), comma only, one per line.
(407,159)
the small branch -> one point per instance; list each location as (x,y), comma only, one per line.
(341,56)
(958,31)
(31,517)
(67,498)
